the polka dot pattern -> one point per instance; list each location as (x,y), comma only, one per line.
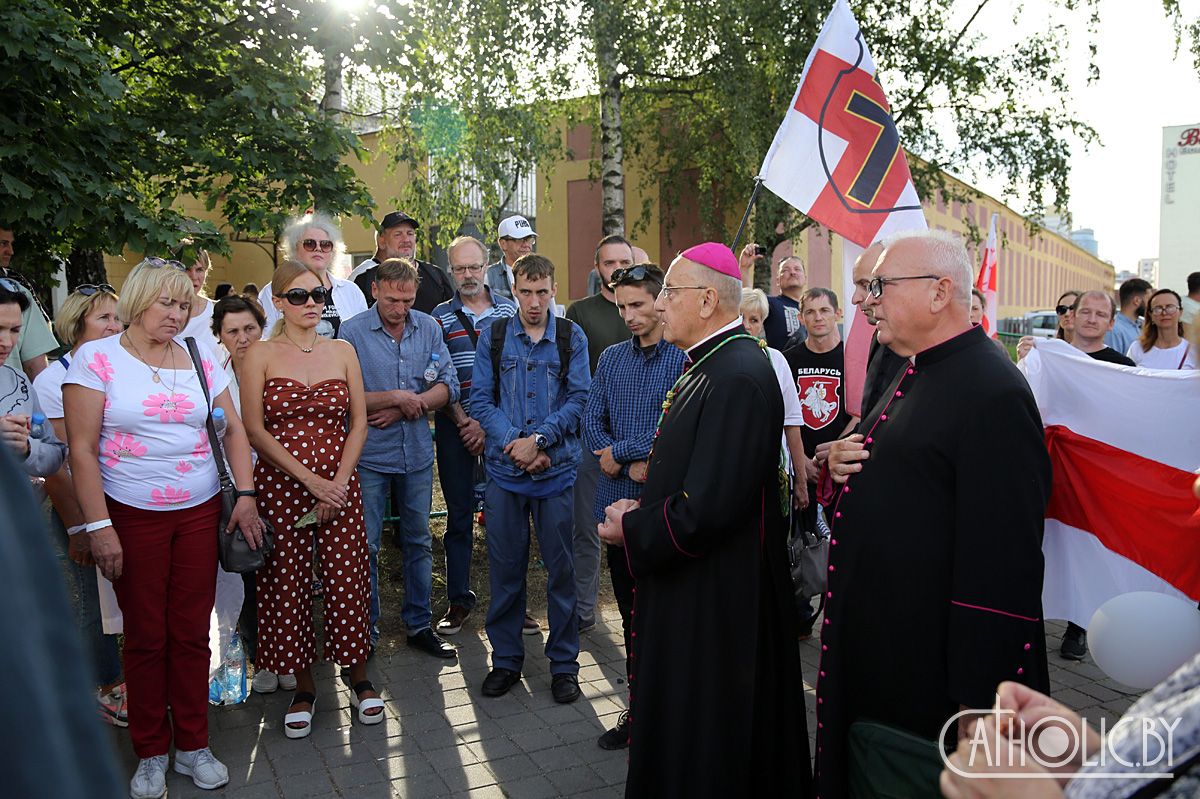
(310,423)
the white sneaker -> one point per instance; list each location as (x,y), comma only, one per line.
(204,769)
(150,779)
(287,682)
(265,682)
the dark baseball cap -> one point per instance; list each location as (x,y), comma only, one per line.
(398,218)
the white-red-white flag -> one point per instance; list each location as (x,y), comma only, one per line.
(1122,516)
(837,159)
(988,280)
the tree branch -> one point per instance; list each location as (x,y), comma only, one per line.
(929,79)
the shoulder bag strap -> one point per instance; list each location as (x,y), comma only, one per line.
(472,333)
(499,330)
(214,441)
(562,338)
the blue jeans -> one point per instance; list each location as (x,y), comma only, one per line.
(587,536)
(415,493)
(85,604)
(508,561)
(455,468)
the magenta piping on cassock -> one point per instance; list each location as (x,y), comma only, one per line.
(671,532)
(992,610)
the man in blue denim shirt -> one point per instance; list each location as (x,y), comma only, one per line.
(530,415)
(406,372)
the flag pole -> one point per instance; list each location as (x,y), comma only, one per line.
(758,181)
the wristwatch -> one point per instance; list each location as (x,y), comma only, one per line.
(250,492)
(541,441)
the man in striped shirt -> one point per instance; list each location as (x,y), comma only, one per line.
(459,437)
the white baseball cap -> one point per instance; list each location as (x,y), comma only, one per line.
(515,227)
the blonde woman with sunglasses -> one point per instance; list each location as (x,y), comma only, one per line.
(315,241)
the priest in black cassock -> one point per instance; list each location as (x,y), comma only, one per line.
(716,702)
(940,499)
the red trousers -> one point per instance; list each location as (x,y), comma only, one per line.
(166,594)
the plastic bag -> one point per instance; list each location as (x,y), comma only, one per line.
(228,687)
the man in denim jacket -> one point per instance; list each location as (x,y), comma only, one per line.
(531,414)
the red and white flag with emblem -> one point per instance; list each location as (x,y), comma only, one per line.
(1121,516)
(837,158)
(988,280)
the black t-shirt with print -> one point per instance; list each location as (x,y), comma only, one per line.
(820,382)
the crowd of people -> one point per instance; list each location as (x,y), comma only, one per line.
(677,423)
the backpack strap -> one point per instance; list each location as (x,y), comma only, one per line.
(563,328)
(499,331)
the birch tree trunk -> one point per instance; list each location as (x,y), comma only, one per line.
(612,148)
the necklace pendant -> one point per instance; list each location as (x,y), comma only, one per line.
(155,378)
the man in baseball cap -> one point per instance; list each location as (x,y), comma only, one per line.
(397,238)
(515,237)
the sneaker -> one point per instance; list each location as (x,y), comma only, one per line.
(287,682)
(618,736)
(150,779)
(1074,644)
(204,769)
(264,682)
(113,706)
(452,622)
(531,626)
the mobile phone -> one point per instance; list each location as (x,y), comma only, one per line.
(760,250)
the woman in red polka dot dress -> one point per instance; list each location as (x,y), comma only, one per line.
(298,392)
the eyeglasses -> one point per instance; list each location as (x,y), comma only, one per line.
(1162,310)
(666,290)
(311,245)
(634,274)
(319,295)
(474,269)
(876,285)
(1061,310)
(88,289)
(159,263)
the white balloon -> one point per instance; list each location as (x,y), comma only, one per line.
(1140,638)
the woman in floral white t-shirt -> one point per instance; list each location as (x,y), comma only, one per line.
(146,481)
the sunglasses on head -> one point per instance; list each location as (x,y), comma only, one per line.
(634,274)
(159,263)
(319,295)
(88,289)
(311,245)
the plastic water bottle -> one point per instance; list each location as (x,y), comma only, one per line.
(37,426)
(431,371)
(228,687)
(220,422)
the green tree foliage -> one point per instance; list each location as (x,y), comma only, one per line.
(116,110)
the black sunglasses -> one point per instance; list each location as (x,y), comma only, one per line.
(88,289)
(319,295)
(634,274)
(1061,309)
(159,263)
(311,245)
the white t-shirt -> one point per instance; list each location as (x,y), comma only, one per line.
(154,451)
(199,327)
(48,385)
(1161,357)
(793,414)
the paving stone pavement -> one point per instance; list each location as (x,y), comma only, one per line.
(442,737)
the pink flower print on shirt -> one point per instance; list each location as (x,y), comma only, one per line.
(202,449)
(183,467)
(168,495)
(122,445)
(168,407)
(208,373)
(101,366)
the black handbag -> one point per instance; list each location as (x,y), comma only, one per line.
(808,556)
(233,550)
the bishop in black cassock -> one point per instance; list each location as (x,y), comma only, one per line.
(944,512)
(716,694)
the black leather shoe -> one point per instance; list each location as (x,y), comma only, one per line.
(618,736)
(565,688)
(429,642)
(499,681)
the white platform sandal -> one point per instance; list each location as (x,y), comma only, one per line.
(365,705)
(300,716)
